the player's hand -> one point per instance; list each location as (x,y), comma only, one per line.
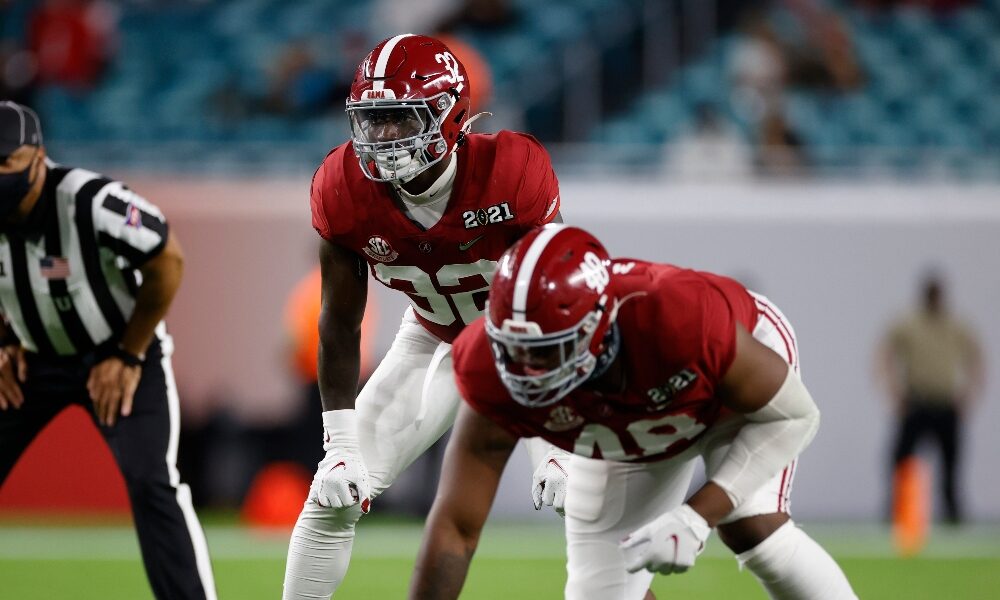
(341,479)
(112,386)
(548,484)
(669,544)
(13,372)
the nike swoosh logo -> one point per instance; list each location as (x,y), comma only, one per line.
(469,243)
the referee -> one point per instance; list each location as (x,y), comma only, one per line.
(87,272)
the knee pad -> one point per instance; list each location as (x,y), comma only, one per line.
(770,555)
(792,566)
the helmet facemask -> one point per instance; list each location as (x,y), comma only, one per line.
(417,144)
(540,369)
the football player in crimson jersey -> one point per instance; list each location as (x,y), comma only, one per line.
(638,369)
(428,208)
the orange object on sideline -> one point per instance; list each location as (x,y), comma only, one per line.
(476,67)
(275,496)
(302,323)
(910,507)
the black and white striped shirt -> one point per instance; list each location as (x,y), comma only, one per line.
(69,276)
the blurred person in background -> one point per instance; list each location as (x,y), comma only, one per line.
(822,57)
(298,84)
(427,207)
(639,369)
(712,147)
(758,69)
(299,81)
(932,366)
(74,41)
(816,52)
(88,270)
(780,151)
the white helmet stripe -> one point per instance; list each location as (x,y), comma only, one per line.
(527,270)
(383,59)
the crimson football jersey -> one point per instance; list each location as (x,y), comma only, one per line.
(504,187)
(678,339)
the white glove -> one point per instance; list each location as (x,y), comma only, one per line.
(341,479)
(548,484)
(668,544)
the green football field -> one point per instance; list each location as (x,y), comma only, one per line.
(81,562)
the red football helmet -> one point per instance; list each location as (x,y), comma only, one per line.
(408,107)
(550,305)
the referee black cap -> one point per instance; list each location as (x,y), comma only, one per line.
(19,125)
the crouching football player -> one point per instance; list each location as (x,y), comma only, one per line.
(638,369)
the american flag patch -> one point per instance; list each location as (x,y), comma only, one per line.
(54,267)
(133,216)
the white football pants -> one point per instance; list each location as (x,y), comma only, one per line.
(607,500)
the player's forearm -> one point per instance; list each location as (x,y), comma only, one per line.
(161,277)
(772,437)
(339,367)
(442,564)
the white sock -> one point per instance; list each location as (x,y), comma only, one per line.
(792,566)
(319,551)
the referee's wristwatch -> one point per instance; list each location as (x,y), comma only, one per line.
(130,359)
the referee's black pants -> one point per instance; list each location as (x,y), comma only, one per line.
(940,421)
(144,444)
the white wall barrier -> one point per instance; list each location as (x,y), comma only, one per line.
(839,259)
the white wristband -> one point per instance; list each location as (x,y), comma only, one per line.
(692,519)
(340,427)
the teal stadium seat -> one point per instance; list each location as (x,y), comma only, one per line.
(931,80)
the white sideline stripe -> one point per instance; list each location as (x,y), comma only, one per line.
(527,270)
(183,492)
(383,59)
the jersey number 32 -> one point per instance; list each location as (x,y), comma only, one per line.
(463,287)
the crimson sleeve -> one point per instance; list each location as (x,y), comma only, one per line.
(317,203)
(718,333)
(538,195)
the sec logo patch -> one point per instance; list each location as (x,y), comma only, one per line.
(380,249)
